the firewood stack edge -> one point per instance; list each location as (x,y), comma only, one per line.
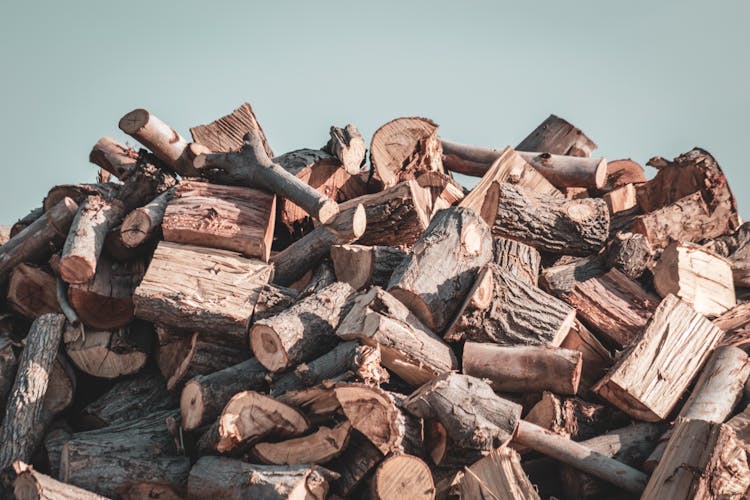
(210,319)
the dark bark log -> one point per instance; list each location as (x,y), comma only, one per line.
(520,260)
(140,225)
(359,458)
(557,136)
(226,133)
(362,266)
(113,157)
(562,278)
(29,484)
(347,145)
(631,253)
(25,221)
(80,192)
(32,291)
(404,148)
(8,368)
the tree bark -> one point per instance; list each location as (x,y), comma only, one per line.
(504,309)
(402,476)
(438,272)
(80,192)
(31,291)
(736,325)
(652,374)
(29,484)
(736,248)
(520,260)
(571,227)
(25,222)
(348,146)
(409,349)
(358,459)
(113,157)
(631,253)
(109,353)
(141,225)
(562,277)
(498,475)
(8,368)
(362,266)
(319,447)
(557,136)
(23,425)
(226,133)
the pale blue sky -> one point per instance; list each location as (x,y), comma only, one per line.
(640,78)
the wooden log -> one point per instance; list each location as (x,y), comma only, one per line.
(446,453)
(347,361)
(322,277)
(595,358)
(498,475)
(520,260)
(226,133)
(248,418)
(456,241)
(571,227)
(405,147)
(80,192)
(508,167)
(139,450)
(204,396)
(319,403)
(164,141)
(736,325)
(106,301)
(252,167)
(230,287)
(472,414)
(219,477)
(8,368)
(29,484)
(347,145)
(25,221)
(409,349)
(115,158)
(564,275)
(354,465)
(521,369)
(736,248)
(613,306)
(61,388)
(32,291)
(740,424)
(504,309)
(362,266)
(136,490)
(402,476)
(33,243)
(702,460)
(621,199)
(631,253)
(301,332)
(445,192)
(623,172)
(23,425)
(652,374)
(109,353)
(319,447)
(697,276)
(140,225)
(557,136)
(116,249)
(293,262)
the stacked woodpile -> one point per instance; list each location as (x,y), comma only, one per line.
(212,320)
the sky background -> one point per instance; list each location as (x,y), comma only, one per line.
(640,78)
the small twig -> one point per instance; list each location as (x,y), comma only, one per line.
(62,300)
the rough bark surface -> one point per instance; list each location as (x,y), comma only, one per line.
(347,145)
(140,225)
(115,158)
(520,260)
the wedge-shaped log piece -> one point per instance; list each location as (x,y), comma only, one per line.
(319,447)
(654,372)
(110,353)
(405,147)
(557,136)
(363,266)
(32,291)
(697,276)
(571,227)
(566,273)
(613,306)
(302,332)
(623,172)
(596,359)
(736,323)
(702,460)
(621,199)
(219,477)
(226,133)
(402,476)
(143,223)
(502,308)
(519,259)
(229,284)
(29,484)
(318,403)
(445,192)
(498,475)
(115,158)
(438,272)
(408,348)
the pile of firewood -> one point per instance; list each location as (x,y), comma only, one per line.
(209,320)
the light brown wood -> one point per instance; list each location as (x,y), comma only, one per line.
(736,325)
(32,291)
(29,484)
(402,476)
(499,476)
(623,172)
(140,225)
(736,248)
(631,253)
(699,277)
(652,374)
(445,191)
(363,266)
(562,277)
(226,133)
(621,198)
(348,146)
(596,359)
(109,353)
(557,136)
(319,447)
(115,158)
(405,147)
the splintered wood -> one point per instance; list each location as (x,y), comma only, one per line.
(212,320)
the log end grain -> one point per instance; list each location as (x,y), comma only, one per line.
(268,348)
(134,121)
(403,476)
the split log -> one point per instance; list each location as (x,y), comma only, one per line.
(32,291)
(362,266)
(293,262)
(623,172)
(319,447)
(702,460)
(115,158)
(444,191)
(116,249)
(322,277)
(613,306)
(446,453)
(520,260)
(137,490)
(23,425)
(34,242)
(358,459)
(252,167)
(473,416)
(301,332)
(697,276)
(595,358)
(508,167)
(61,388)
(631,253)
(405,147)
(736,325)
(621,199)
(25,221)
(562,277)
(219,477)
(557,136)
(521,369)
(653,373)
(248,418)
(504,309)
(736,248)
(139,450)
(319,403)
(347,361)
(80,192)
(109,353)
(29,484)
(409,349)
(457,242)
(140,225)
(402,476)
(498,475)
(740,423)
(8,367)
(347,145)
(106,301)
(204,396)
(226,133)
(230,287)
(164,141)
(571,227)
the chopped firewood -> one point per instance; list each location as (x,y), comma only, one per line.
(445,191)
(347,145)
(519,259)
(32,291)
(498,475)
(226,133)
(402,476)
(557,136)
(30,484)
(595,358)
(8,367)
(631,253)
(25,221)
(322,277)
(740,423)
(61,388)
(736,325)
(621,198)
(563,277)
(623,172)
(736,248)
(79,192)
(363,266)
(405,147)
(697,276)
(653,373)
(137,490)
(141,224)
(358,459)
(115,158)
(319,447)
(319,403)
